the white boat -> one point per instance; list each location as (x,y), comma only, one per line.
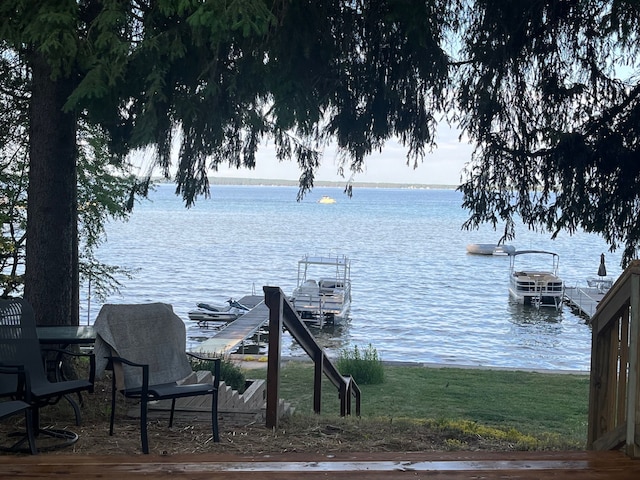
(490,249)
(530,286)
(323,291)
(207,312)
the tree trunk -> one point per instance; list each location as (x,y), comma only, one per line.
(51,271)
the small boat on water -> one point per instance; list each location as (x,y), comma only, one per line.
(490,249)
(323,291)
(206,312)
(531,286)
(326,199)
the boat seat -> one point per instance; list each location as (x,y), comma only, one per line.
(310,287)
(330,284)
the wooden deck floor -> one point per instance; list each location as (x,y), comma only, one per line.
(449,465)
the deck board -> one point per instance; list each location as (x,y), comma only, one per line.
(236,332)
(583,465)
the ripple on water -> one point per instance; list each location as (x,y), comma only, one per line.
(417,294)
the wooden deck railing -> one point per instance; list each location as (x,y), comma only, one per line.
(282,314)
(614,394)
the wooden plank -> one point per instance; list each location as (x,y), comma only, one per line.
(236,332)
(611,304)
(610,402)
(600,419)
(373,466)
(622,367)
(611,440)
(633,403)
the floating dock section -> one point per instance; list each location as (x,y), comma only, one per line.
(236,332)
(583,301)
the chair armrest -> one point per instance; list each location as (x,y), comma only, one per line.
(203,358)
(216,366)
(145,370)
(66,352)
(92,359)
(23,386)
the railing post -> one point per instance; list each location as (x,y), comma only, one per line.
(344,391)
(274,300)
(633,405)
(349,393)
(318,363)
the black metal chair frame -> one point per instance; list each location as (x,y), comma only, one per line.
(19,346)
(146,393)
(13,407)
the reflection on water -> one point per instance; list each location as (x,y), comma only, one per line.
(526,315)
(543,332)
(333,338)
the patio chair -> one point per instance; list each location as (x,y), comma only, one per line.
(19,346)
(145,347)
(13,407)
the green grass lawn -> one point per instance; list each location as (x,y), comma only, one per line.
(551,408)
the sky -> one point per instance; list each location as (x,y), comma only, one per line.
(443,166)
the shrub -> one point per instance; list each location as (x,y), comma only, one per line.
(364,366)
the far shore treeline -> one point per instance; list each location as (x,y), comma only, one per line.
(318,183)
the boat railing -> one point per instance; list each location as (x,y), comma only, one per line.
(614,391)
(283,314)
(311,302)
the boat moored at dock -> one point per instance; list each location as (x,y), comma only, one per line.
(531,286)
(206,312)
(323,291)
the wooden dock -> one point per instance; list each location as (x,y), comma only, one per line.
(238,331)
(583,300)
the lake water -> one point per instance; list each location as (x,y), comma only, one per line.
(417,295)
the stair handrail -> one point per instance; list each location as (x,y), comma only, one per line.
(282,314)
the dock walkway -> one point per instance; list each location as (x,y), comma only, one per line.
(583,300)
(236,332)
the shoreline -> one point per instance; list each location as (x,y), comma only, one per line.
(251,362)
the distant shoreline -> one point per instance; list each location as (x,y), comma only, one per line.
(318,183)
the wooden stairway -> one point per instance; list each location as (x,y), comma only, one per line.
(233,407)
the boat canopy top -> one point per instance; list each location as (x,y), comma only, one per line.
(340,265)
(520,252)
(340,260)
(555,257)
